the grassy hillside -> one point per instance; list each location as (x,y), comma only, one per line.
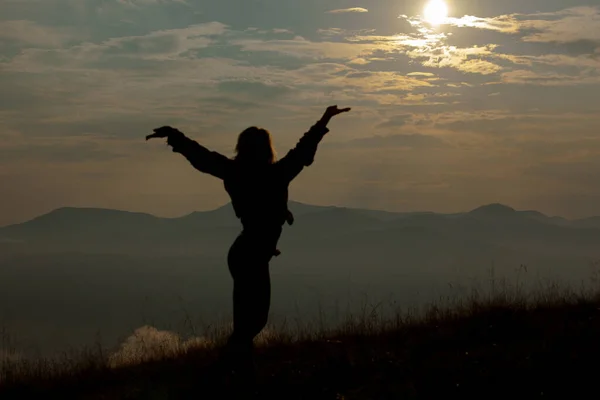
(543,345)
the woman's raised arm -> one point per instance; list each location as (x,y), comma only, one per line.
(204,160)
(303,154)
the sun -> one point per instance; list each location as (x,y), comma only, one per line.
(436,12)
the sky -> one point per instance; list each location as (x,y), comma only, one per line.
(498,103)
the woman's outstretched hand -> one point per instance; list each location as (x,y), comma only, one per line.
(162,132)
(331,112)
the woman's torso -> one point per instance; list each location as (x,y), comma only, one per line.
(259,196)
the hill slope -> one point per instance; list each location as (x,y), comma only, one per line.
(491,350)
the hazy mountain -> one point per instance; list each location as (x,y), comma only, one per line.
(66,274)
(113,227)
(316,228)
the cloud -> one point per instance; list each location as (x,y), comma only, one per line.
(29,33)
(140,3)
(425,74)
(564,26)
(163,44)
(431,50)
(60,151)
(467,60)
(529,77)
(502,23)
(332,32)
(395,121)
(495,123)
(570,25)
(359,61)
(253,89)
(301,47)
(515,129)
(415,140)
(168,44)
(563,60)
(348,10)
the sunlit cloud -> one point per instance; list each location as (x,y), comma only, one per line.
(138,3)
(569,25)
(549,78)
(463,59)
(426,74)
(348,10)
(503,23)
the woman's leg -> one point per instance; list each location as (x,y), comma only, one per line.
(249,268)
(257,287)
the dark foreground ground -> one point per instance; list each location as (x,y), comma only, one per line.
(495,350)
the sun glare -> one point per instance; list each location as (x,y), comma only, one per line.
(436,12)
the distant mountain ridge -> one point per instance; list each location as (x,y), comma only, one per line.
(224,214)
(81,217)
(100,230)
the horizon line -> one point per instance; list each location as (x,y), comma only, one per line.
(301,203)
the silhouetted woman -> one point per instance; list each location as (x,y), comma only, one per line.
(258,186)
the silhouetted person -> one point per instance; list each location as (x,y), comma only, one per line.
(258,186)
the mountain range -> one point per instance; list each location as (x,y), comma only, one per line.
(72,272)
(106,230)
(78,225)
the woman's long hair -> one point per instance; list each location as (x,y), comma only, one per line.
(254,145)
